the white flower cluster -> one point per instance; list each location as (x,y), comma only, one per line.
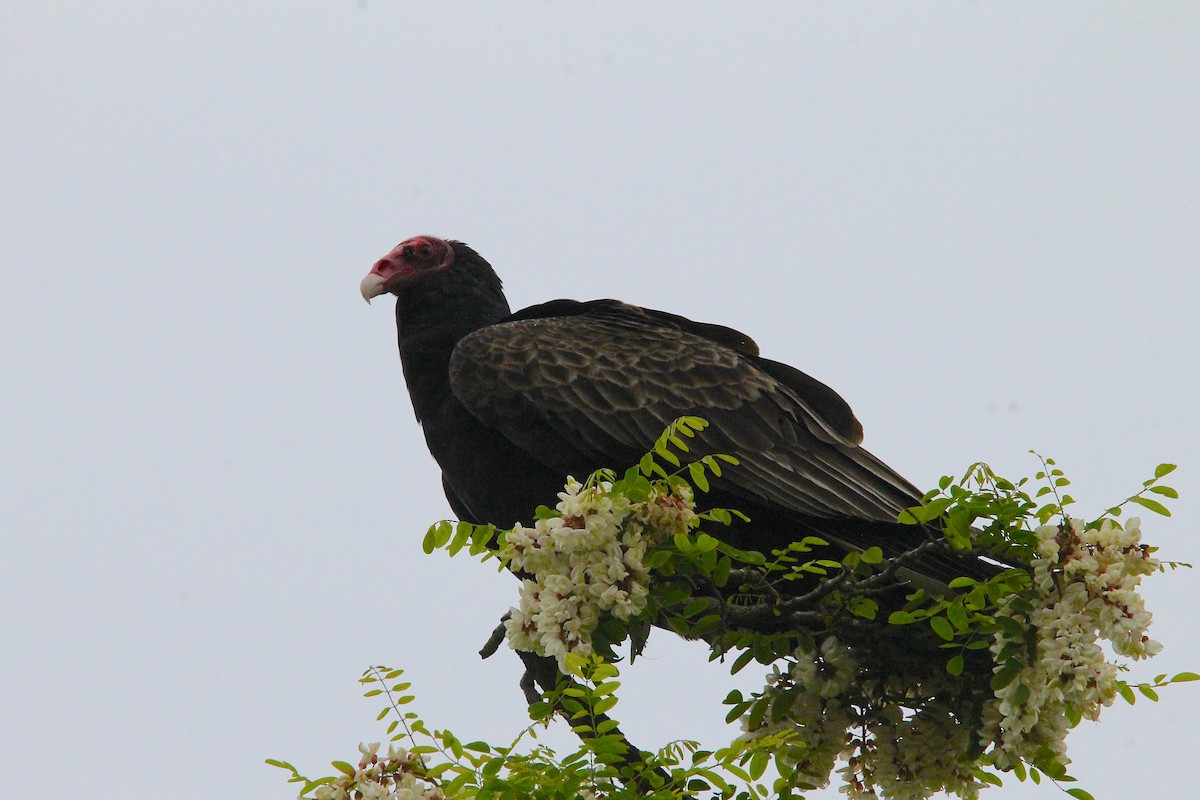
(837,713)
(1086,581)
(818,717)
(391,777)
(587,561)
(905,737)
(911,756)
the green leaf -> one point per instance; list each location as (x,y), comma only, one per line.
(437,536)
(649,466)
(660,448)
(656,559)
(462,533)
(1007,674)
(699,479)
(863,607)
(957,616)
(955,665)
(1153,505)
(720,575)
(343,767)
(872,555)
(718,515)
(481,537)
(989,778)
(1148,692)
(1165,491)
(741,661)
(308,787)
(1079,794)
(604,671)
(1185,676)
(942,627)
(736,712)
(1163,469)
(758,764)
(604,704)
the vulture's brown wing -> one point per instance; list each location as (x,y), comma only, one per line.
(595,383)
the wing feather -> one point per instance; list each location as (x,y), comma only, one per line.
(594,383)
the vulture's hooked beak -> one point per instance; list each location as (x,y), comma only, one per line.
(372,285)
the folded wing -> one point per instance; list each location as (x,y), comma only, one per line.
(579,385)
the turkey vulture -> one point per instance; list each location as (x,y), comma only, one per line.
(511,403)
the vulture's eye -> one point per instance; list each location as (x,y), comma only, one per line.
(424,251)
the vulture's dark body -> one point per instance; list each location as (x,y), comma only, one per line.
(511,404)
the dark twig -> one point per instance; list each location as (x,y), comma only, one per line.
(883,579)
(804,611)
(497,637)
(529,688)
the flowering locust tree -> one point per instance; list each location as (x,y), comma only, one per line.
(885,690)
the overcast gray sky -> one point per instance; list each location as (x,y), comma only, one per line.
(980,222)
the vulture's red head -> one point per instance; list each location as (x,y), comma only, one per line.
(410,261)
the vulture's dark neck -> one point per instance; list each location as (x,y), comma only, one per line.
(432,315)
